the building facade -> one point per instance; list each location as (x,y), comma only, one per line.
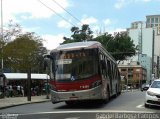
(152,21)
(146,62)
(134,73)
(143,33)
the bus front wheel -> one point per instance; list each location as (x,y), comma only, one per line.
(107,97)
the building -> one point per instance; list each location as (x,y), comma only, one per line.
(143,33)
(134,73)
(146,62)
(142,38)
(152,21)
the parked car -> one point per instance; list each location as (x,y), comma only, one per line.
(145,87)
(152,96)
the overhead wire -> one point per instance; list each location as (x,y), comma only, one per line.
(56,13)
(67,11)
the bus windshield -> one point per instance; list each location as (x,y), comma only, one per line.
(76,65)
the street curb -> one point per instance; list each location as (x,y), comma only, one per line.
(13,105)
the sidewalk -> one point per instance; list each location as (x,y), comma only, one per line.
(14,101)
(130,90)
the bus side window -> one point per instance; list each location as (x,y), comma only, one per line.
(113,71)
(109,69)
(103,65)
(106,68)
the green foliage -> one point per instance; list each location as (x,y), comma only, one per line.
(13,30)
(78,35)
(25,52)
(21,51)
(120,45)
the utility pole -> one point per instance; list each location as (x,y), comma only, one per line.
(1,46)
(153,53)
(29,84)
(158,66)
(2,34)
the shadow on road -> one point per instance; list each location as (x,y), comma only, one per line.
(85,105)
(153,107)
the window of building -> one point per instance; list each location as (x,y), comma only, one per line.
(156,24)
(137,75)
(148,20)
(152,20)
(130,76)
(147,25)
(137,69)
(130,70)
(156,20)
(152,25)
(123,69)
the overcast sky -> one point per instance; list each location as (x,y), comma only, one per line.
(53,23)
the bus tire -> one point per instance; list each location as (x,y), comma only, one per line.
(106,100)
(116,91)
(69,102)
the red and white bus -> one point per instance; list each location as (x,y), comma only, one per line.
(82,71)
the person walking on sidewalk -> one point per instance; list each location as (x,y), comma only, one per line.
(10,91)
(22,91)
(19,90)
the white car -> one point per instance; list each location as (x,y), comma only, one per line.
(153,94)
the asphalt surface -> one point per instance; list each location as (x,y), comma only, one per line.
(126,103)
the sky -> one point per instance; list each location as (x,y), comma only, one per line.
(53,19)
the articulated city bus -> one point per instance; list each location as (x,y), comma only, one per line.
(82,71)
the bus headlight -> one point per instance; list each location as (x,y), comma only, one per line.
(95,84)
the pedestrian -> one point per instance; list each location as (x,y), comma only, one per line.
(19,90)
(37,90)
(7,91)
(10,91)
(22,91)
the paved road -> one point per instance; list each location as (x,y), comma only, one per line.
(128,103)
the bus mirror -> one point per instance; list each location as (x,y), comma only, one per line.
(48,56)
(103,64)
(46,63)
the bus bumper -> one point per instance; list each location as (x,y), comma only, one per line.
(91,94)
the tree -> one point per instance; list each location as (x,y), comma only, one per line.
(23,53)
(9,33)
(105,39)
(123,47)
(120,45)
(78,35)
(13,30)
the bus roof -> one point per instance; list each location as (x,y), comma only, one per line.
(85,45)
(77,45)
